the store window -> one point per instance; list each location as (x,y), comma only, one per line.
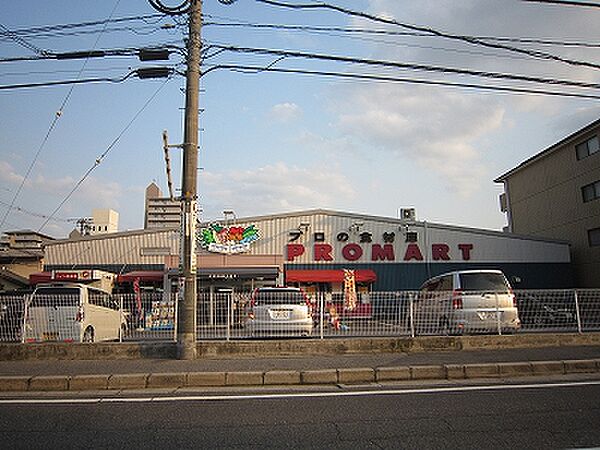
(587,148)
(591,191)
(594,237)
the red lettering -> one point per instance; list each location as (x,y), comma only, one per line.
(294,250)
(323,252)
(413,252)
(440,251)
(379,253)
(352,252)
(466,251)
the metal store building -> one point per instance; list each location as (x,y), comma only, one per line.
(315,249)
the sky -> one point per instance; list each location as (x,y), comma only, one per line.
(276,142)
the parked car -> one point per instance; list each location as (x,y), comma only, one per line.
(72,312)
(467,301)
(279,311)
(536,311)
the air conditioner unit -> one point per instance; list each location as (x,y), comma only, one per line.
(408,213)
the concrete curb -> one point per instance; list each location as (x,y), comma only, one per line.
(137,381)
(291,347)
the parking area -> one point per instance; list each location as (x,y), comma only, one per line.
(151,316)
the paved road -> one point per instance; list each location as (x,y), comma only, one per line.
(544,415)
(73,367)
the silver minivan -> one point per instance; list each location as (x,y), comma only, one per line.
(467,301)
(72,312)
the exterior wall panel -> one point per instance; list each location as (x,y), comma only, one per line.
(545,199)
(399,264)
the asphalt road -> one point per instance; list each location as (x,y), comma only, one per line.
(547,414)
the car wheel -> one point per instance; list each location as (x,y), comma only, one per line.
(88,335)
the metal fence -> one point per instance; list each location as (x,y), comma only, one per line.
(237,315)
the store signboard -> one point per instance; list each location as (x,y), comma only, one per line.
(353,252)
(75,275)
(227,240)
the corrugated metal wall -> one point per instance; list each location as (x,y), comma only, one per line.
(531,259)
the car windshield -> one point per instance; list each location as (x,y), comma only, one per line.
(483,282)
(282,297)
(55,296)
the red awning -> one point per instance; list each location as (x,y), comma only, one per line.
(328,276)
(142,275)
(40,277)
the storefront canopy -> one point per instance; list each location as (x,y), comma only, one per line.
(40,277)
(328,276)
(142,275)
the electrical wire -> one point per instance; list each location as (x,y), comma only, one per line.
(22,42)
(57,115)
(433,32)
(99,160)
(34,214)
(68,82)
(35,31)
(182,8)
(391,33)
(565,3)
(418,67)
(380,78)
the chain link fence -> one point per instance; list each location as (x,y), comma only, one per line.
(151,316)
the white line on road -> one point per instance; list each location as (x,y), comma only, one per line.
(229,397)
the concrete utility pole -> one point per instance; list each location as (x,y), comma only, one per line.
(186,300)
(186,320)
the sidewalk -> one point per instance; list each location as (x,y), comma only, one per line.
(79,375)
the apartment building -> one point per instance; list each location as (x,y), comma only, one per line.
(161,212)
(556,194)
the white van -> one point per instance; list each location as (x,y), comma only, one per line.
(467,301)
(72,312)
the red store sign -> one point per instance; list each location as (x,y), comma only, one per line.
(378,252)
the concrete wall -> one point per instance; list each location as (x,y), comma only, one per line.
(545,200)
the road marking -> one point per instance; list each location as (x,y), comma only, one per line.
(230,397)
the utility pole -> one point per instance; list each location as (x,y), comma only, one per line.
(186,300)
(186,321)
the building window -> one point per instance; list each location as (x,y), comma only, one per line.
(587,148)
(594,237)
(591,191)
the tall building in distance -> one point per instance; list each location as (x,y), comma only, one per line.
(161,212)
(104,221)
(556,194)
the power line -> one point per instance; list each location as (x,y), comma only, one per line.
(34,214)
(68,82)
(353,31)
(170,47)
(35,31)
(433,32)
(99,160)
(380,78)
(22,42)
(57,115)
(565,2)
(418,67)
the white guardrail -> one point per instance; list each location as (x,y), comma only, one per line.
(239,315)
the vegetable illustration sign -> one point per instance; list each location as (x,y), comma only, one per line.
(228,240)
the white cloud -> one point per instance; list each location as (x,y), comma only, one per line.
(438,129)
(285,112)
(273,188)
(8,174)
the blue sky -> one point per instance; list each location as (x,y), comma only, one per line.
(275,142)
